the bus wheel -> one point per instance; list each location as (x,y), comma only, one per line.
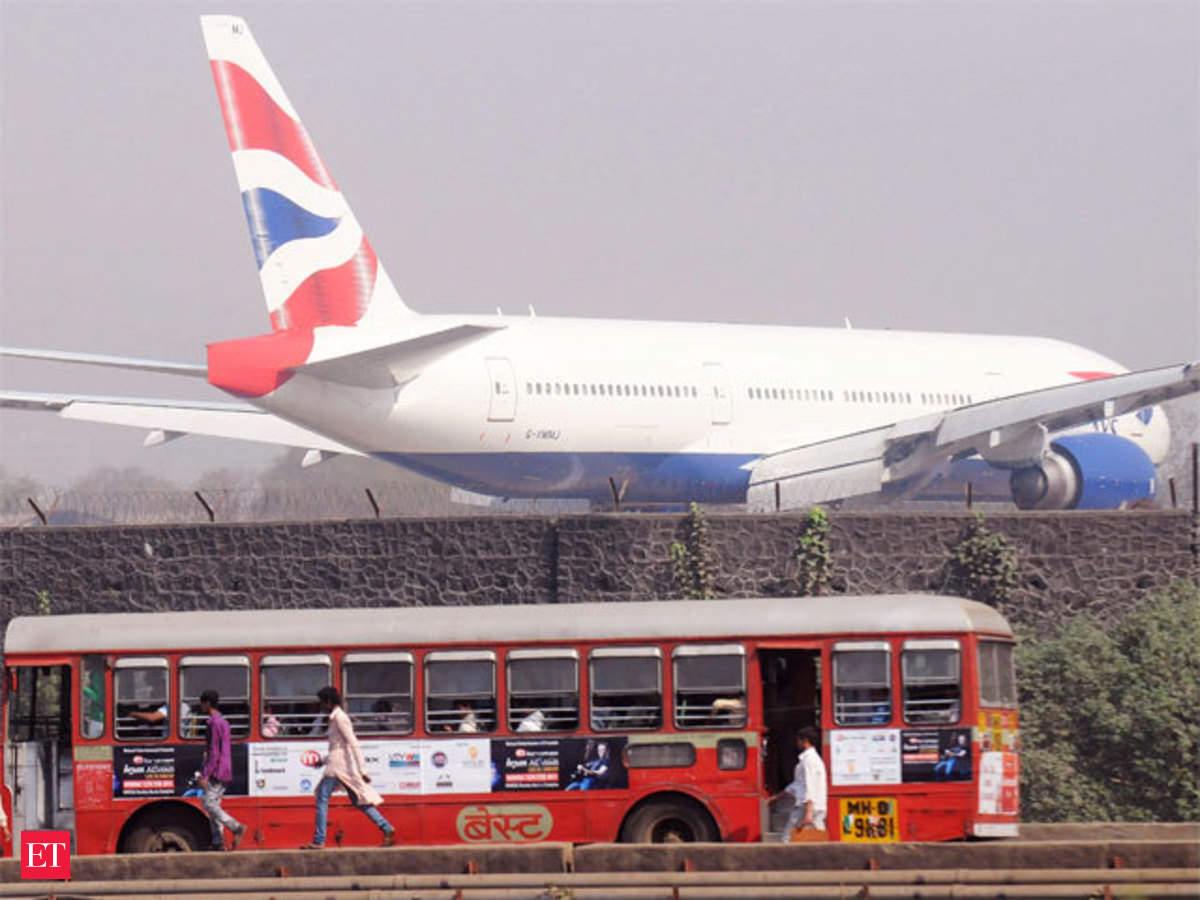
(669,822)
(165,831)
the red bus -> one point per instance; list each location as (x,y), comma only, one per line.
(652,721)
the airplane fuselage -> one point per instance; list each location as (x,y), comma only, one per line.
(667,412)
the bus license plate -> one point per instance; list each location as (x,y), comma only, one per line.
(867,819)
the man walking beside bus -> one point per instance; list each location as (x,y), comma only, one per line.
(217,773)
(808,787)
(346,768)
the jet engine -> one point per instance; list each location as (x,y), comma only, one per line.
(1086,471)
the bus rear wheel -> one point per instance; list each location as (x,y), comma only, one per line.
(166,831)
(669,822)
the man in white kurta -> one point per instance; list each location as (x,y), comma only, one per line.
(809,787)
(345,768)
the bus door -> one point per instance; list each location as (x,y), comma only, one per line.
(37,747)
(791,692)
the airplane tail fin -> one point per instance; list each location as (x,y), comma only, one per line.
(316,265)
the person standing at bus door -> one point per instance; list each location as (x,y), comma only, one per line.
(808,788)
(217,772)
(345,768)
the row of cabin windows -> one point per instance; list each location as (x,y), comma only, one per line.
(574,389)
(808,395)
(625,686)
(930,677)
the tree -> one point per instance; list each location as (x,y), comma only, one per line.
(1109,722)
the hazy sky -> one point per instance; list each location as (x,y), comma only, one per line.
(1020,168)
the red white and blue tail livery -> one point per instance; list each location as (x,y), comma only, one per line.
(316,265)
(604,410)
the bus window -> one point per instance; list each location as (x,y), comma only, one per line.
(931,675)
(626,687)
(460,691)
(710,686)
(289,695)
(143,703)
(229,676)
(862,682)
(543,690)
(378,690)
(997,681)
(92,696)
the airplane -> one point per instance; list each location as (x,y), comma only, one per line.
(611,411)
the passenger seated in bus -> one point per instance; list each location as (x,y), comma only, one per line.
(317,726)
(189,720)
(535,721)
(467,721)
(729,710)
(270,726)
(154,720)
(383,716)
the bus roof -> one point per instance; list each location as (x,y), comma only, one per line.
(777,617)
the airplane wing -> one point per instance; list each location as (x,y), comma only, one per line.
(195,370)
(169,419)
(912,451)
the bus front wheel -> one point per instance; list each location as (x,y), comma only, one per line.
(166,831)
(669,822)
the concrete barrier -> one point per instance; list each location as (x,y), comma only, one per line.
(491,858)
(846,856)
(610,858)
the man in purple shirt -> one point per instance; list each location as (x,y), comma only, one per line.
(217,773)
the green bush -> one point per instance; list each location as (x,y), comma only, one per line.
(1110,722)
(692,565)
(814,558)
(983,565)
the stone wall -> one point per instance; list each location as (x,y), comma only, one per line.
(1099,563)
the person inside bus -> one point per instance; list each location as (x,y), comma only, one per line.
(729,711)
(345,768)
(189,720)
(809,787)
(384,716)
(535,721)
(93,704)
(153,719)
(467,722)
(270,726)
